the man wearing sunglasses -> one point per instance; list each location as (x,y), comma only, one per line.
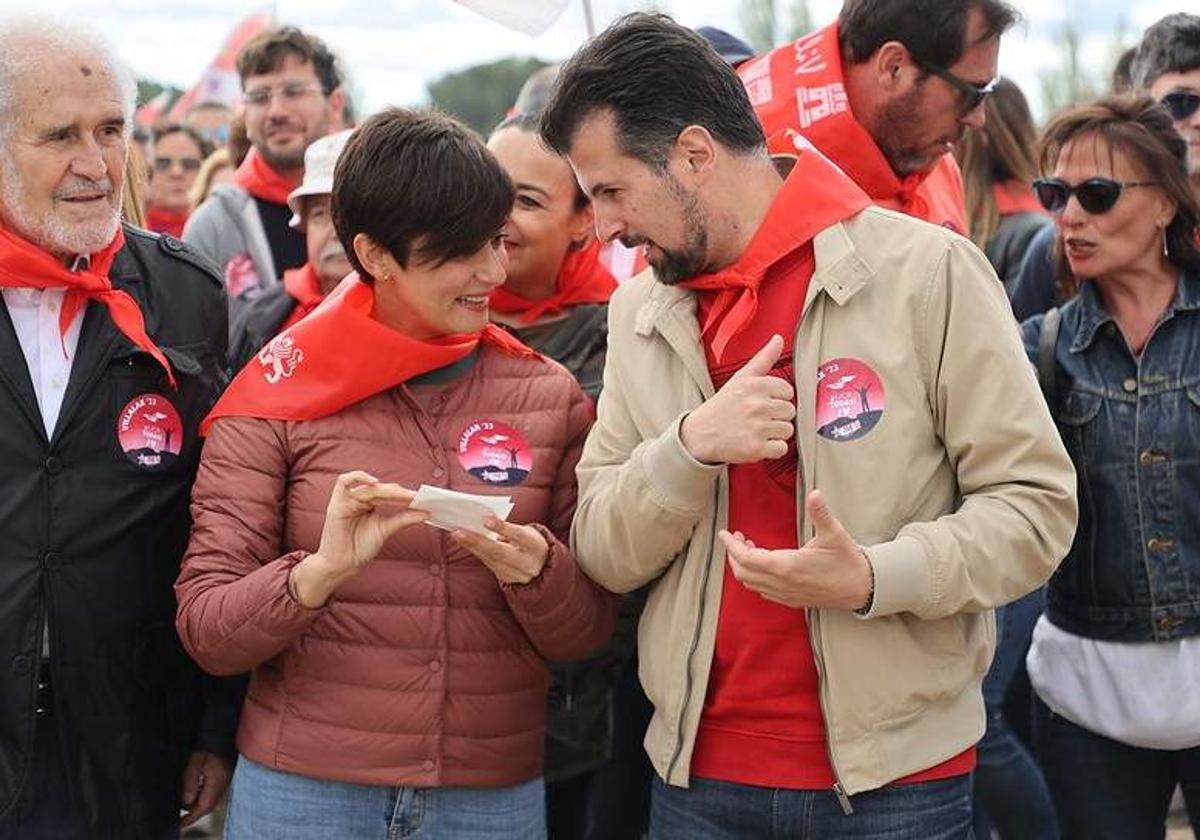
(885,93)
(291,90)
(1167,65)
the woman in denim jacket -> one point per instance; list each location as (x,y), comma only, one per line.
(1115,660)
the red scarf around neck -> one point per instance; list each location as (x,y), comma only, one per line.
(257,177)
(583,278)
(23,265)
(815,195)
(166,221)
(304,286)
(800,87)
(340,355)
(1013,196)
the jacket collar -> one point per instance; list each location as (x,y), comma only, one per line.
(1093,315)
(841,272)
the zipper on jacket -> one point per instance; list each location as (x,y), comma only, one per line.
(687,689)
(810,613)
(814,643)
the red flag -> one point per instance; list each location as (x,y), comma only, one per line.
(220,81)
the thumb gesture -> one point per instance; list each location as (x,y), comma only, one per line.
(760,363)
(827,531)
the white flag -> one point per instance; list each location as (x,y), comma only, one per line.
(533,17)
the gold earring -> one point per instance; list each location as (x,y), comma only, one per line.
(385,277)
(1166,243)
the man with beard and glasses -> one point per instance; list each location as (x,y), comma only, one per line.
(885,93)
(112,350)
(793,447)
(302,288)
(291,86)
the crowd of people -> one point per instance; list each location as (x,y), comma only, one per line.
(846,422)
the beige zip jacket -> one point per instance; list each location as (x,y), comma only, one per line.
(961,493)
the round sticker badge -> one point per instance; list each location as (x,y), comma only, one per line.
(850,399)
(150,431)
(495,453)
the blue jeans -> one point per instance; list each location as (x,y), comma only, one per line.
(1008,783)
(268,804)
(1106,790)
(710,810)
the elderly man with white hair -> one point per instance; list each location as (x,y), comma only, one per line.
(112,349)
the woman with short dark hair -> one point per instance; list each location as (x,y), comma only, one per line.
(1115,661)
(398,679)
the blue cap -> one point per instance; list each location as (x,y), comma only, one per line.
(730,47)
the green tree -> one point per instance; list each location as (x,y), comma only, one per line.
(148,89)
(1070,82)
(801,21)
(481,95)
(758,22)
(765,27)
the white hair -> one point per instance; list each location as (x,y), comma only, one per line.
(28,40)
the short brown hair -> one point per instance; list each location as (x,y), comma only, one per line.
(420,184)
(1139,127)
(167,129)
(267,51)
(933,31)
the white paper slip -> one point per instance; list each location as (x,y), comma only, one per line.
(451,510)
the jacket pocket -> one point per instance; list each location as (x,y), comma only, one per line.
(1077,421)
(895,667)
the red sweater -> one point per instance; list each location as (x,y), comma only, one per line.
(762,723)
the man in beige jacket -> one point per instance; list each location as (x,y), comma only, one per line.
(820,438)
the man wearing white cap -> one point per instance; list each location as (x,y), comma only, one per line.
(303,288)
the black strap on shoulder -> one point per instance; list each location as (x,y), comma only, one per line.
(1046,372)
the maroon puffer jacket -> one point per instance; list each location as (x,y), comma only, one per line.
(422,670)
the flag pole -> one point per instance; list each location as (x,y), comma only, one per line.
(589,18)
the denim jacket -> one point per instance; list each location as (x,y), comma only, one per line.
(1132,428)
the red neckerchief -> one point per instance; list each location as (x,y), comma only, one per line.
(166,221)
(257,177)
(312,370)
(800,87)
(303,286)
(815,195)
(1015,196)
(23,265)
(581,279)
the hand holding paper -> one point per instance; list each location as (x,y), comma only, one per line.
(514,553)
(454,511)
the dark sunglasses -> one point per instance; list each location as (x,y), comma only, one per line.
(1181,104)
(970,94)
(187,164)
(1095,195)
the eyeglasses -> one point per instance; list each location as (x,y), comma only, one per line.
(1095,195)
(290,93)
(970,94)
(187,164)
(1181,104)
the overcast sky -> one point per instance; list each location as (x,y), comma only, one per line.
(393,48)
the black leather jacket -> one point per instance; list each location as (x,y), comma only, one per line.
(93,524)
